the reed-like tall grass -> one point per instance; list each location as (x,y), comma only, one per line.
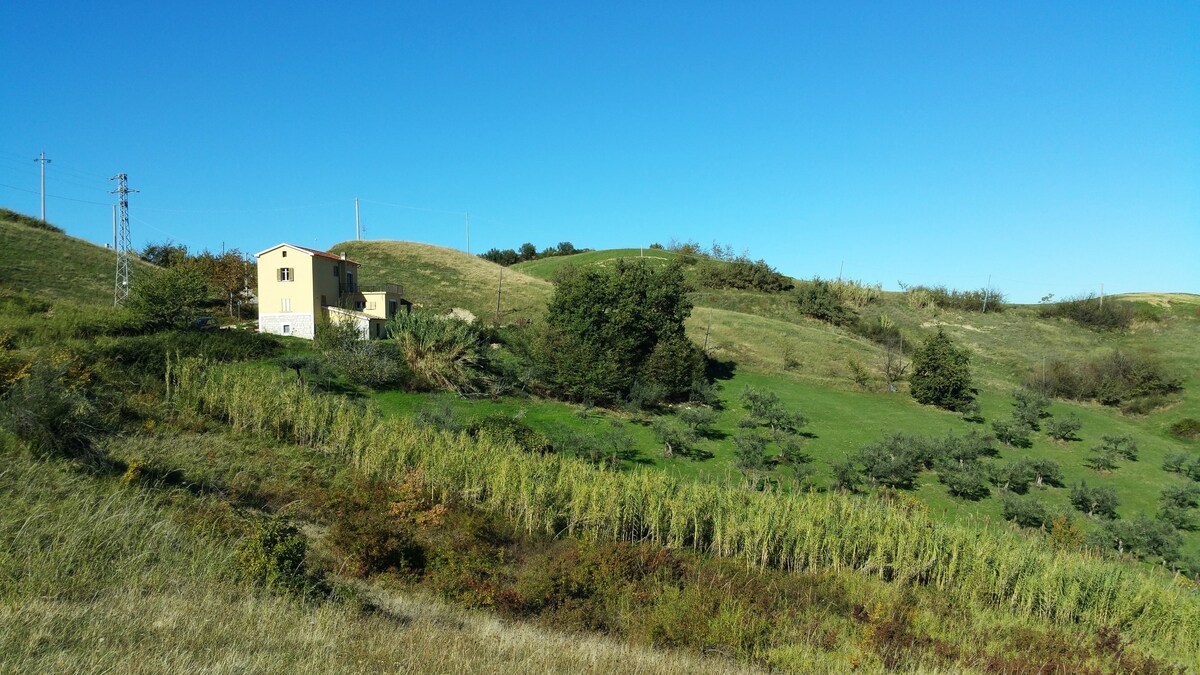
(790,531)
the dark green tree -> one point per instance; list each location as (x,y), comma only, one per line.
(609,327)
(1095,501)
(941,374)
(1025,511)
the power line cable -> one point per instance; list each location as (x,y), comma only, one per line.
(69,199)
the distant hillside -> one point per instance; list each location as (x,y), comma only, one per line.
(442,278)
(41,260)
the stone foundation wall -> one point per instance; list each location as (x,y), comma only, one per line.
(302,325)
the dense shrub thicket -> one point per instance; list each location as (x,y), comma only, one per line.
(820,300)
(1093,312)
(1115,378)
(741,273)
(978,300)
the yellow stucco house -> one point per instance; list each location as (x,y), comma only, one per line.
(298,287)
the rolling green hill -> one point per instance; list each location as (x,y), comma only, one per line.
(52,264)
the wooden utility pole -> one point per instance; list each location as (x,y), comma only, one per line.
(499,285)
(707,328)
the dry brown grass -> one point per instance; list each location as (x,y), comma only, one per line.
(443,278)
(220,630)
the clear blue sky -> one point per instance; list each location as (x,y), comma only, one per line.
(1054,146)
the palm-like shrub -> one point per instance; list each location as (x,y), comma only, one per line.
(441,352)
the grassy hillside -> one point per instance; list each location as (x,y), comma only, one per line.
(52,264)
(546,268)
(442,278)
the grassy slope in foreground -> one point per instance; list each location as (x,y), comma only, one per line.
(56,265)
(443,278)
(101,576)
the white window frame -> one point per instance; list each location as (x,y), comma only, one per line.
(285,305)
(285,274)
(287,329)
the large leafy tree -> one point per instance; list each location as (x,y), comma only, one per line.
(942,374)
(608,328)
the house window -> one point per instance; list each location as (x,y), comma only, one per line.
(371,305)
(285,304)
(335,271)
(350,282)
(360,305)
(286,274)
(378,328)
(283,254)
(391,308)
(287,329)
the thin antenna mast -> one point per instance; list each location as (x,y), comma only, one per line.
(43,161)
(357,224)
(124,246)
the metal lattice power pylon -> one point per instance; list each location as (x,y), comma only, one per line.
(124,246)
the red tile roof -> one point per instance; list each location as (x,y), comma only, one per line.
(310,251)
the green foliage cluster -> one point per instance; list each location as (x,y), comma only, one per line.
(1115,378)
(149,353)
(442,353)
(1092,312)
(741,273)
(1095,501)
(374,363)
(167,298)
(608,328)
(273,557)
(1106,456)
(1025,510)
(228,273)
(528,251)
(1183,463)
(1187,428)
(941,374)
(979,300)
(819,299)
(49,407)
(1177,504)
(368,536)
(502,430)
